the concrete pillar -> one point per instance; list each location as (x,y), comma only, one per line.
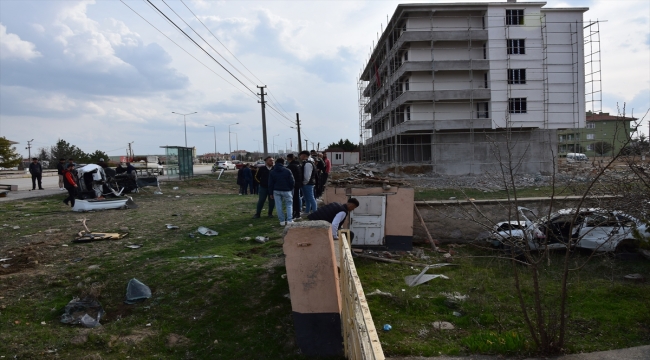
(314,286)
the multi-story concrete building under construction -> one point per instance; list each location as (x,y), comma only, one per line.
(448,84)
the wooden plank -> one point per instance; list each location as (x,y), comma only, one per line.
(417,212)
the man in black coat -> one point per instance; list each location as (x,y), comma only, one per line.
(281,185)
(296,169)
(262,177)
(36,170)
(335,213)
(61,167)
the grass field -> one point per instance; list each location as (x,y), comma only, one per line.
(605,311)
(227,308)
(235,307)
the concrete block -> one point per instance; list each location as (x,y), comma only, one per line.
(313,279)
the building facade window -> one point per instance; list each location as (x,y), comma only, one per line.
(591,125)
(406,84)
(484,51)
(516,76)
(516,46)
(590,136)
(514,17)
(590,147)
(406,55)
(482,110)
(517,105)
(338,156)
(485,80)
(408,113)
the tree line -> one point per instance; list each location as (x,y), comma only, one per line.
(9,156)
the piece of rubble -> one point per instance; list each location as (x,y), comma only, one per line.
(442,325)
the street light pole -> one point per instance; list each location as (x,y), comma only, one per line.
(229,146)
(184,123)
(214,129)
(274,142)
(237,145)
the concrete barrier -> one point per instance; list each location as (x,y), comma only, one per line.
(314,287)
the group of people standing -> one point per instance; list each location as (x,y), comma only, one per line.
(288,186)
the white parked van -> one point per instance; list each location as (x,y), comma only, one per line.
(573,157)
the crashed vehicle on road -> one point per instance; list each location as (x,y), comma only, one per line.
(99,191)
(594,229)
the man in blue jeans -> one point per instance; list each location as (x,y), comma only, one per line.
(308,181)
(262,177)
(281,184)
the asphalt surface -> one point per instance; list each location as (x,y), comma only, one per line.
(51,184)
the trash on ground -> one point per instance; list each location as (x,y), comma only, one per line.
(6,265)
(93,267)
(175,188)
(77,260)
(634,277)
(133,246)
(202,257)
(379,292)
(86,312)
(95,236)
(456,313)
(172,227)
(261,239)
(421,278)
(455,296)
(177,196)
(207,232)
(136,291)
(16,227)
(246,238)
(5,259)
(387,327)
(157,193)
(283,276)
(442,325)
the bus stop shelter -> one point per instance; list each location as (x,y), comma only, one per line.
(180,161)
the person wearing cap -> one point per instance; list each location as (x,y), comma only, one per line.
(70,184)
(36,170)
(102,163)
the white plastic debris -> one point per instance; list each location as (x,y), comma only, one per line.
(421,278)
(261,239)
(379,292)
(455,296)
(175,187)
(171,227)
(207,232)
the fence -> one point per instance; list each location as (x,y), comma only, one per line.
(359,334)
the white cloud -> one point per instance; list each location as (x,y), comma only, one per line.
(11,46)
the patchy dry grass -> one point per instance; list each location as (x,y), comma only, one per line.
(229,308)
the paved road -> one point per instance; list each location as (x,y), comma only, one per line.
(51,185)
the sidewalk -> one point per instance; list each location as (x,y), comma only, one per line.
(27,194)
(635,353)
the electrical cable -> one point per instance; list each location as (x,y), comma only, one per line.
(187,52)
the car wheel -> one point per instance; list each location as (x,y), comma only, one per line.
(627,246)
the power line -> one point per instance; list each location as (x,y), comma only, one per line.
(187,52)
(200,47)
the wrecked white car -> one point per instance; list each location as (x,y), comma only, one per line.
(594,229)
(97,191)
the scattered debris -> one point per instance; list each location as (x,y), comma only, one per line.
(645,253)
(442,325)
(455,296)
(88,237)
(247,238)
(389,260)
(415,280)
(634,277)
(16,227)
(457,314)
(157,192)
(387,327)
(171,227)
(136,291)
(133,246)
(86,312)
(174,340)
(5,259)
(379,292)
(207,232)
(93,267)
(283,276)
(202,257)
(261,239)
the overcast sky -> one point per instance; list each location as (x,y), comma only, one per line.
(97,75)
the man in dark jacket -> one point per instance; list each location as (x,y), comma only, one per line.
(240,180)
(262,177)
(281,184)
(60,168)
(335,213)
(296,169)
(36,170)
(248,179)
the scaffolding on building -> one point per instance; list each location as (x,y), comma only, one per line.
(381,117)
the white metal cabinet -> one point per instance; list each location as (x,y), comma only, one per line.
(368,221)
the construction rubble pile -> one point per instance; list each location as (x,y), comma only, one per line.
(363,174)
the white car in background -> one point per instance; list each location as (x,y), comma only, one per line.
(227,165)
(595,229)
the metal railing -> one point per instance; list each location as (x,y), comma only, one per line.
(359,334)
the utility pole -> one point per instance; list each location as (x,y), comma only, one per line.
(29,149)
(306,144)
(129,154)
(299,140)
(266,146)
(318,147)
